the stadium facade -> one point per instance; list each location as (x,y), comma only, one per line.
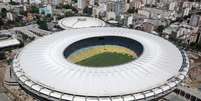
(41,68)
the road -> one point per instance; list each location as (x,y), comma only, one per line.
(174,97)
(2,72)
(3,96)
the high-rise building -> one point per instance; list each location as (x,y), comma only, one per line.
(194,20)
(136,4)
(92,2)
(111,16)
(55,2)
(9,16)
(35,1)
(116,6)
(130,20)
(149,2)
(47,10)
(186,12)
(172,6)
(148,27)
(25,8)
(66,2)
(81,4)
(17,1)
(5,1)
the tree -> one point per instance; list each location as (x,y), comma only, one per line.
(74,1)
(132,10)
(13,3)
(43,24)
(48,15)
(67,6)
(59,6)
(1,23)
(19,23)
(34,9)
(69,13)
(160,29)
(3,12)
(23,12)
(87,11)
(195,46)
(74,10)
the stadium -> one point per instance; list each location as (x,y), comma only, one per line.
(80,22)
(132,65)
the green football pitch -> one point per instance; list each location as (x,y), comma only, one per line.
(106,59)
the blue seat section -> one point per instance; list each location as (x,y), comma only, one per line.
(106,40)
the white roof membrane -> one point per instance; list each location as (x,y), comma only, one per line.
(80,22)
(42,61)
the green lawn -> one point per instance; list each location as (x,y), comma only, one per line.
(106,59)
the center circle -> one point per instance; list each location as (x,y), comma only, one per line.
(103,51)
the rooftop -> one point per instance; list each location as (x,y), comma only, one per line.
(152,73)
(80,22)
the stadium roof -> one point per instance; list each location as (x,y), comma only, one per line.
(41,66)
(8,43)
(80,22)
